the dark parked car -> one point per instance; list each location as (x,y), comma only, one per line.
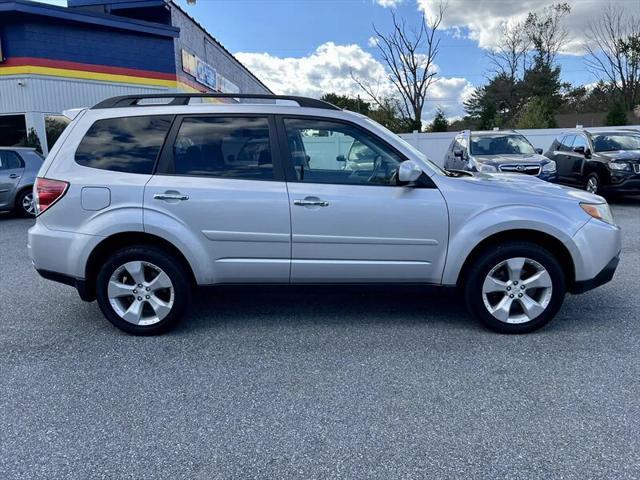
(18,170)
(498,152)
(603,161)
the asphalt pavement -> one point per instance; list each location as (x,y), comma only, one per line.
(318,382)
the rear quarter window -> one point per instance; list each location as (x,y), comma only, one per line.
(126,144)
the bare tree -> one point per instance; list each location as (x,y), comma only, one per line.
(509,58)
(613,48)
(547,32)
(409,57)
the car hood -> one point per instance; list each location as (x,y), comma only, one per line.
(527,186)
(622,155)
(511,158)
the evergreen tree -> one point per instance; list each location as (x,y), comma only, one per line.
(440,122)
(537,113)
(617,115)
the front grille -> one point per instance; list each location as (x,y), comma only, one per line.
(526,169)
(636,167)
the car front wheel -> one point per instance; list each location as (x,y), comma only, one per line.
(143,290)
(517,287)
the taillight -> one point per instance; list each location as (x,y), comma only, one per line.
(47,192)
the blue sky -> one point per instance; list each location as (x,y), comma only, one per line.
(312,47)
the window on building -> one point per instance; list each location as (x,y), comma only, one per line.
(13,130)
(228,147)
(129,144)
(54,126)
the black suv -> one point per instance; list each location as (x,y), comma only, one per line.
(603,161)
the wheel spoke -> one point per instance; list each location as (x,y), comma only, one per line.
(503,308)
(160,282)
(134,312)
(136,270)
(514,267)
(160,307)
(530,307)
(541,279)
(492,284)
(119,289)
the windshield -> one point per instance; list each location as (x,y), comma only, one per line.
(610,142)
(500,144)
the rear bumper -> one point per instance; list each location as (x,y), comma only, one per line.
(605,276)
(79,284)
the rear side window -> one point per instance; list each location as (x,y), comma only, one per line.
(128,144)
(226,147)
(9,160)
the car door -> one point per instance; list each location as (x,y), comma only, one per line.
(11,171)
(358,225)
(577,159)
(564,161)
(219,176)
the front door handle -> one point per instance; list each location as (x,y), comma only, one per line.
(170,196)
(14,175)
(310,203)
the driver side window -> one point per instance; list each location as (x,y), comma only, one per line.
(331,152)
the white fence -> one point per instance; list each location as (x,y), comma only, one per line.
(435,145)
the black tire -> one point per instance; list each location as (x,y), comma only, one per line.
(156,257)
(488,260)
(20,209)
(593,177)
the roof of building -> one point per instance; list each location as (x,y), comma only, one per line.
(104,20)
(124,4)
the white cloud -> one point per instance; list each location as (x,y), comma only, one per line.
(328,70)
(485,20)
(373,41)
(389,3)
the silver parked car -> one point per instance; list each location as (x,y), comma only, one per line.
(498,151)
(18,170)
(140,201)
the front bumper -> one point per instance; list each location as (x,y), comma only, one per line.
(605,276)
(629,184)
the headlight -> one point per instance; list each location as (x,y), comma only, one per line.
(549,167)
(483,167)
(619,166)
(601,211)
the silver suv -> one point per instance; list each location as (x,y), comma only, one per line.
(143,198)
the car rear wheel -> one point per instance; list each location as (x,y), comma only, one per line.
(24,206)
(593,184)
(143,290)
(515,288)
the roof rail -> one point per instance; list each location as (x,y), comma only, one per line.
(184,98)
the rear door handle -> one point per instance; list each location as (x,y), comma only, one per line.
(170,196)
(311,203)
(14,175)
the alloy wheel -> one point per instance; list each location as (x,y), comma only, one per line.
(28,205)
(517,290)
(592,185)
(140,293)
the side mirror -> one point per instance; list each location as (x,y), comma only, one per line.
(539,151)
(458,153)
(341,158)
(409,172)
(579,150)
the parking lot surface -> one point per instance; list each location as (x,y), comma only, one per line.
(318,382)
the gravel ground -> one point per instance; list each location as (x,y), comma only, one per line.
(318,382)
